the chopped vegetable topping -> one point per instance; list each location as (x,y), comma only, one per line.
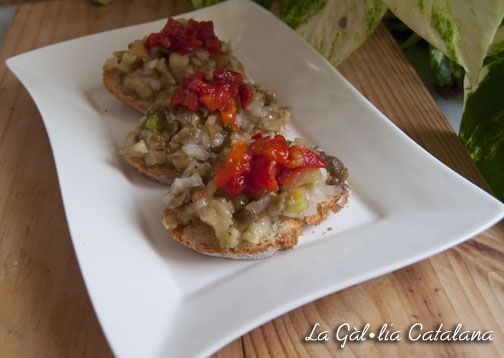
(230,175)
(265,166)
(218,94)
(185,39)
(297,177)
(275,148)
(262,178)
(296,201)
(154,122)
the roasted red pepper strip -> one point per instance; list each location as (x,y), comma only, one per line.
(304,158)
(264,166)
(246,95)
(263,171)
(218,94)
(289,177)
(230,175)
(185,39)
(275,148)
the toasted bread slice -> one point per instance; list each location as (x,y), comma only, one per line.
(201,238)
(333,203)
(159,173)
(112,81)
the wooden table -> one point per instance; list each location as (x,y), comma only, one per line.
(44,307)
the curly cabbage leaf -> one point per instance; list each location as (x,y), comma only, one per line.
(482,127)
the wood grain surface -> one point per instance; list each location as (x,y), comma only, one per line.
(44,307)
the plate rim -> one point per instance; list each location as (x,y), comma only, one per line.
(11,63)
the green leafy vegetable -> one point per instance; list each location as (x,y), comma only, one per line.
(334,28)
(154,122)
(461,29)
(482,127)
(402,33)
(486,146)
(447,74)
(298,12)
(396,27)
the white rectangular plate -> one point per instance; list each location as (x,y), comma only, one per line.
(153,296)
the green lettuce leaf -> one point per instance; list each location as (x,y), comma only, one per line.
(482,127)
(334,28)
(461,29)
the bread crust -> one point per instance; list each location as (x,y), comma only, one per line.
(112,81)
(201,238)
(333,203)
(161,174)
